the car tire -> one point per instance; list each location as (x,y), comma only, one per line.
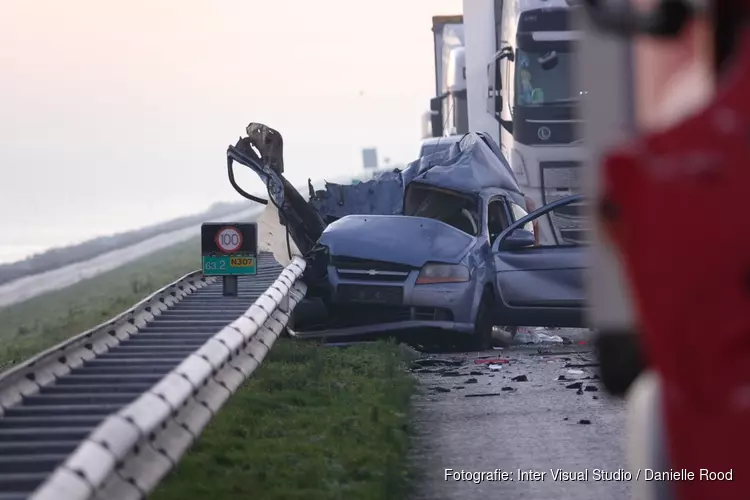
(481,337)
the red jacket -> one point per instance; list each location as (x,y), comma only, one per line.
(677,204)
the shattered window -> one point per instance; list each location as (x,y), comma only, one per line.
(452,208)
(496,219)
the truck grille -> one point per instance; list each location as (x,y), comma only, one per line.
(561,179)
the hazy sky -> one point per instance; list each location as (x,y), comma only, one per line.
(117,114)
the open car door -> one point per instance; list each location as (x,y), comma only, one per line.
(538,285)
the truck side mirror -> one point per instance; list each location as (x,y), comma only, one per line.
(436,116)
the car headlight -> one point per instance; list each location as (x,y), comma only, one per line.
(443,273)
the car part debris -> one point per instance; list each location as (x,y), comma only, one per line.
(493,361)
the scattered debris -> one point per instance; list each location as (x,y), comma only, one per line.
(595,397)
(520,378)
(450,374)
(440,389)
(574,385)
(474,372)
(583,365)
(579,392)
(437,362)
(484,394)
(494,368)
(561,377)
(508,389)
(490,361)
(566,418)
(591,388)
(471,381)
(535,336)
(584,421)
(567,341)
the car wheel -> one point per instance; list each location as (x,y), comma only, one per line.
(481,338)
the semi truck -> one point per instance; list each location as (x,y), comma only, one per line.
(510,74)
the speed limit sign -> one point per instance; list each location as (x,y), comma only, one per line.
(229,239)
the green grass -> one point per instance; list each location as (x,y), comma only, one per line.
(313,423)
(41,322)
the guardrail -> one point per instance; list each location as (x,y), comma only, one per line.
(130,451)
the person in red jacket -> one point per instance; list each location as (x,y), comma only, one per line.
(691,277)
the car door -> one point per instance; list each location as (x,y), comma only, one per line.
(538,285)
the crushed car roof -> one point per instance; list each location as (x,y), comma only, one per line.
(470,165)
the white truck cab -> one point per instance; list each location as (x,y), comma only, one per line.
(521,90)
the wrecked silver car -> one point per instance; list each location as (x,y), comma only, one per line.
(442,245)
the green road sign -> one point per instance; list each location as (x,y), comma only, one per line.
(229,265)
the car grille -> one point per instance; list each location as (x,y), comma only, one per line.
(368,294)
(370,270)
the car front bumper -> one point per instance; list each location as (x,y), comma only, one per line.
(381,329)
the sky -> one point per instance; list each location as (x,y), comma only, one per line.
(115,115)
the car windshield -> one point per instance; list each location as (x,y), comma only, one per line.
(537,85)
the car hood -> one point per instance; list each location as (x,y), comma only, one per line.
(396,238)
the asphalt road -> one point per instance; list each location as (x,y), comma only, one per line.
(531,425)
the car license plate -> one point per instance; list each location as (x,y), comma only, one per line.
(391,295)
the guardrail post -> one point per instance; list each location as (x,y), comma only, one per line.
(229,286)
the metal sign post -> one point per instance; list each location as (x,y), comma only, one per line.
(229,250)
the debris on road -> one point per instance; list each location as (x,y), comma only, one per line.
(584,421)
(520,378)
(574,385)
(591,388)
(450,374)
(488,361)
(471,381)
(475,373)
(494,368)
(483,394)
(508,389)
(436,362)
(536,336)
(583,365)
(440,389)
(579,392)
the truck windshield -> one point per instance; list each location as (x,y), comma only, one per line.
(536,85)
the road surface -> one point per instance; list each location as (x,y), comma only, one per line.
(538,425)
(30,286)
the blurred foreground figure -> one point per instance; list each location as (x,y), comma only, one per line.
(674,201)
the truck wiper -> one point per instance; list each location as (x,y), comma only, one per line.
(559,102)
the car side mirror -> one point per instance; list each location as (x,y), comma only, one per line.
(519,238)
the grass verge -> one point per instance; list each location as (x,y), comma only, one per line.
(313,423)
(43,321)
